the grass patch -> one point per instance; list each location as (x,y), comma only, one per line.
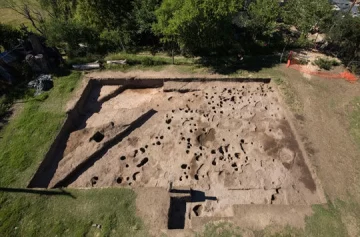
(128,68)
(149,60)
(26,139)
(326,221)
(279,81)
(25,142)
(279,231)
(355,120)
(10,17)
(113,210)
(289,95)
(222,229)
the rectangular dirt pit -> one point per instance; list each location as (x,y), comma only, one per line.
(228,138)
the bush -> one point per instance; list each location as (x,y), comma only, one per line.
(151,62)
(303,61)
(354,68)
(302,42)
(69,35)
(326,64)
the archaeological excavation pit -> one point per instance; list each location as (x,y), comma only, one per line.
(212,144)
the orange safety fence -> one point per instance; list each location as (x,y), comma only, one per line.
(292,63)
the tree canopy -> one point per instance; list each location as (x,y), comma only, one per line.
(264,16)
(345,35)
(198,27)
(307,14)
(191,27)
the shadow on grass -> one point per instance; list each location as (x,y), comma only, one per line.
(4,118)
(8,96)
(62,71)
(61,192)
(229,65)
(21,93)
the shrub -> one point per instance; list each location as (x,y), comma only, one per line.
(302,42)
(69,35)
(303,61)
(355,69)
(335,63)
(326,64)
(147,61)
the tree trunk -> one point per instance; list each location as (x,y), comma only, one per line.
(172,53)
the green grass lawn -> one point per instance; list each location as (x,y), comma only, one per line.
(13,18)
(355,120)
(28,136)
(9,17)
(24,214)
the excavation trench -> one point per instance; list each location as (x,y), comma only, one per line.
(230,139)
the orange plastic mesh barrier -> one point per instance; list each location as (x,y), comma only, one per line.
(293,63)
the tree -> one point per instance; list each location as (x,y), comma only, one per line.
(345,35)
(144,14)
(264,16)
(29,11)
(307,14)
(198,27)
(258,26)
(144,17)
(110,18)
(59,9)
(69,34)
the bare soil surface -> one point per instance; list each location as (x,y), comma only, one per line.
(323,125)
(196,149)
